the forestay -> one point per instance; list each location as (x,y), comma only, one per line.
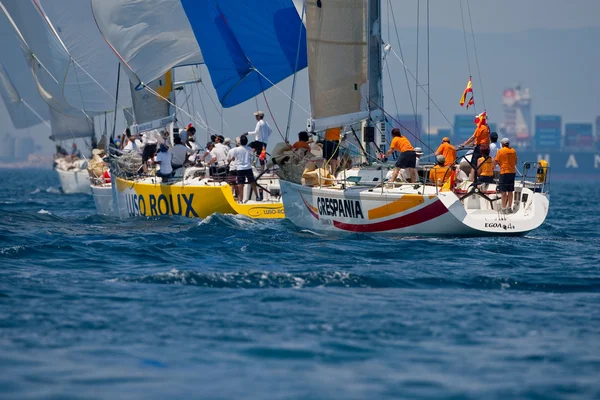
(337,61)
(17,86)
(247,46)
(149,37)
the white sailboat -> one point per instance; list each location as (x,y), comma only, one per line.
(73,71)
(344,56)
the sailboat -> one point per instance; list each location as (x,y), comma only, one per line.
(243,60)
(70,70)
(345,75)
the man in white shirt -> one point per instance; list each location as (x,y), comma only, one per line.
(150,142)
(179,153)
(133,145)
(163,160)
(242,155)
(261,133)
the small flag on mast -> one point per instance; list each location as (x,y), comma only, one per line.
(468,89)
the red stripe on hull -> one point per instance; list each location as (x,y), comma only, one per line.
(425,214)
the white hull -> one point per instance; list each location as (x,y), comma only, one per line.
(74,181)
(407,212)
(103,199)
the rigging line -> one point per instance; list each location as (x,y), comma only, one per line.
(476,57)
(116,101)
(284,93)
(289,121)
(428,84)
(421,87)
(393,91)
(219,109)
(100,85)
(417,67)
(465,37)
(405,73)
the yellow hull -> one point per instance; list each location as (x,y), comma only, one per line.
(149,199)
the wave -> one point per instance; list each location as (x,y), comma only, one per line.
(343,279)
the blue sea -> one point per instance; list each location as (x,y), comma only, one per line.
(94,307)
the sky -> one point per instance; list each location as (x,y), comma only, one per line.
(549,46)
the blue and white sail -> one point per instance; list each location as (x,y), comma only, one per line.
(248,46)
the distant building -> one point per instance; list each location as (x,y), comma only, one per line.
(517,124)
(598,133)
(24,146)
(7,148)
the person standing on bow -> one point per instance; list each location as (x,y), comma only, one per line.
(408,156)
(507,159)
(447,150)
(480,138)
(261,133)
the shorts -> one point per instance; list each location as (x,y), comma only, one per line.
(148,152)
(257,146)
(232,177)
(486,179)
(244,174)
(331,148)
(407,159)
(506,183)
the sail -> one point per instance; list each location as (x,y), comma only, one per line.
(149,37)
(337,61)
(247,45)
(92,77)
(151,111)
(17,87)
(65,127)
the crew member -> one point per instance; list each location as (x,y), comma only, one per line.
(485,166)
(331,147)
(407,158)
(440,173)
(179,152)
(261,133)
(481,137)
(447,150)
(243,157)
(302,142)
(493,151)
(163,159)
(507,159)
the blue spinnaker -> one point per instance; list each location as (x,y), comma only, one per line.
(242,40)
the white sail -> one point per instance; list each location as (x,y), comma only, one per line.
(91,81)
(65,127)
(150,110)
(139,31)
(17,87)
(337,61)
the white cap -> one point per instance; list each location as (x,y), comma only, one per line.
(440,158)
(227,140)
(259,113)
(419,150)
(505,140)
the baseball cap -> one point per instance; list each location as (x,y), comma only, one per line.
(440,158)
(505,140)
(259,113)
(419,150)
(446,139)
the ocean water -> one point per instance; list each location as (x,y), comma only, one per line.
(99,308)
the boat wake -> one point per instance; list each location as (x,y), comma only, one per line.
(343,279)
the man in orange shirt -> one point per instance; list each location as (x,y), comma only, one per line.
(481,137)
(408,156)
(447,150)
(440,173)
(331,148)
(507,159)
(302,142)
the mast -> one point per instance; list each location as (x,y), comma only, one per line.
(374,131)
